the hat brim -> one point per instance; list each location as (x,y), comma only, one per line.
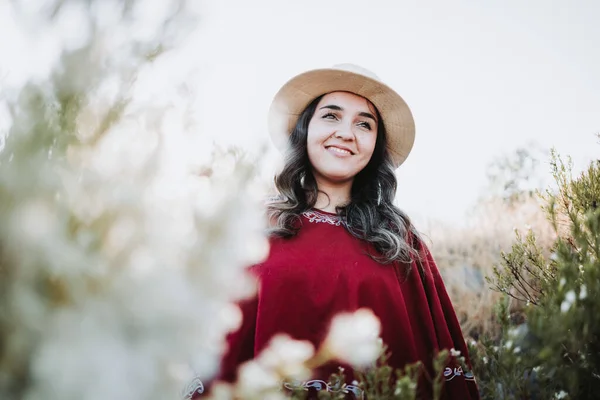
(298,92)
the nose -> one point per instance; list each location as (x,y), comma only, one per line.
(344,133)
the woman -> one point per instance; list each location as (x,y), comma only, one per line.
(337,241)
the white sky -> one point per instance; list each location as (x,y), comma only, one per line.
(481,79)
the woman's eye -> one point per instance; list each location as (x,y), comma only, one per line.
(365,125)
(329,116)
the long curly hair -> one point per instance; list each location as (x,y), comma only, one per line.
(370,215)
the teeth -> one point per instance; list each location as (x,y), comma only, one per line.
(341,151)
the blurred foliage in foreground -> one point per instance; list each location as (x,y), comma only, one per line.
(117,271)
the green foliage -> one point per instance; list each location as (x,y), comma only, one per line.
(383,382)
(524,270)
(498,363)
(379,383)
(559,352)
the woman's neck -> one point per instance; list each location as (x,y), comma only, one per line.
(332,195)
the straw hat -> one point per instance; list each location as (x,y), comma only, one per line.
(299,91)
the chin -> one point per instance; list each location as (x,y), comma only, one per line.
(338,176)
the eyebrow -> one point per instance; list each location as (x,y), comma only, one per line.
(338,108)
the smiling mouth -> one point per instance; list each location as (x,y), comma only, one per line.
(339,151)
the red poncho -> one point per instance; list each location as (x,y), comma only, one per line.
(322,271)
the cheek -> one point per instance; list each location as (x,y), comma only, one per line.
(367,145)
(311,144)
(317,132)
(315,137)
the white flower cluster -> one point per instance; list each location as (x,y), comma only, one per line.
(561,395)
(569,300)
(354,338)
(571,297)
(283,359)
(118,269)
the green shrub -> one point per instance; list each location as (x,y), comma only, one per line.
(555,353)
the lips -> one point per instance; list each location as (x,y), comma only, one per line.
(342,150)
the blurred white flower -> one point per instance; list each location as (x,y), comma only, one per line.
(220,391)
(255,379)
(568,301)
(120,284)
(561,395)
(508,344)
(284,358)
(353,338)
(454,352)
(583,292)
(287,357)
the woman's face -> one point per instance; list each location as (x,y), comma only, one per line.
(341,136)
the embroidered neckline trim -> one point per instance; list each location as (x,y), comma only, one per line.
(319,217)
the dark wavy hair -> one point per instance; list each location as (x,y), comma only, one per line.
(370,215)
